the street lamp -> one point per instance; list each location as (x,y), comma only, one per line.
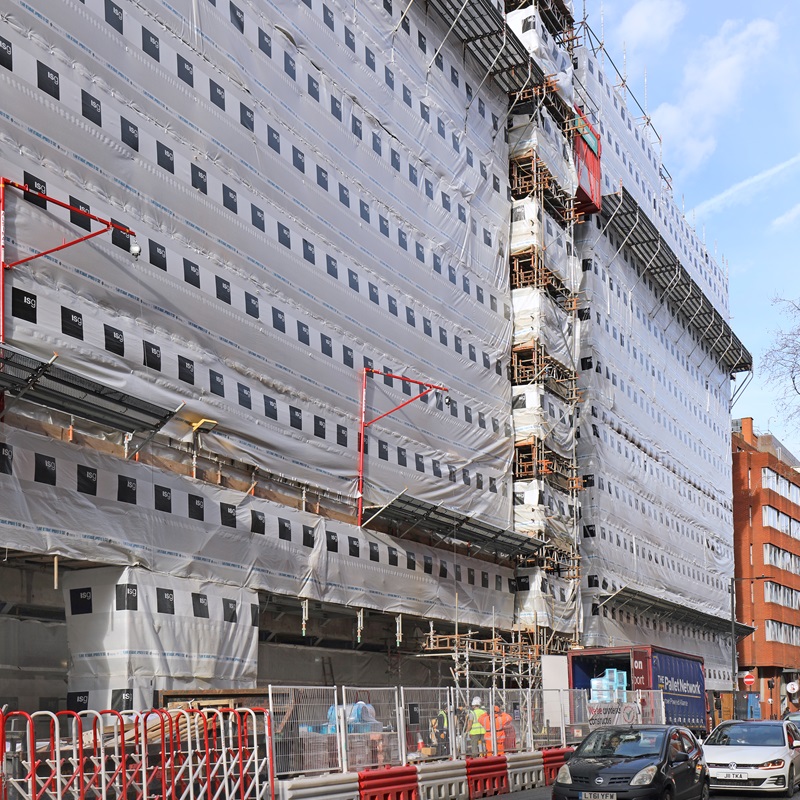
(733,582)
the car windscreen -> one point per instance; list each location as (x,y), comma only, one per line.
(621,743)
(747,735)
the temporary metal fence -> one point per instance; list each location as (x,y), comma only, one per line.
(305,729)
(235,753)
(372,724)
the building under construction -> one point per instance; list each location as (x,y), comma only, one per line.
(367,329)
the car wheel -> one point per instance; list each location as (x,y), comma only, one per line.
(667,793)
(790,783)
(705,792)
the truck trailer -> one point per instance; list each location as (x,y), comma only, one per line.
(679,676)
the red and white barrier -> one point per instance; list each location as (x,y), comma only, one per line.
(443,779)
(525,771)
(487,777)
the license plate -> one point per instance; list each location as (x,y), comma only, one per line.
(598,796)
(733,776)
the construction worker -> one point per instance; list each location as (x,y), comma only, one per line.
(474,729)
(505,723)
(502,723)
(440,734)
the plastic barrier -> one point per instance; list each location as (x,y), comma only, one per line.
(487,777)
(553,758)
(335,786)
(525,771)
(443,780)
(389,783)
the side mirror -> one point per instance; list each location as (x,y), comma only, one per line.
(679,757)
(795,744)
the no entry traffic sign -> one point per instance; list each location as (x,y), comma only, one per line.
(748,679)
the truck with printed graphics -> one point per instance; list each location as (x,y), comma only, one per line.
(679,676)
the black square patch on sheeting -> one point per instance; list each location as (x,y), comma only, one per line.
(229,610)
(71,323)
(78,701)
(23,305)
(165,601)
(152,356)
(80,601)
(258,522)
(44,469)
(200,605)
(6,459)
(47,80)
(114,340)
(129,133)
(87,480)
(127,597)
(126,489)
(185,370)
(114,16)
(196,507)
(163,498)
(121,699)
(227,515)
(6,54)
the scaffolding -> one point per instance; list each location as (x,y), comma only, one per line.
(531,364)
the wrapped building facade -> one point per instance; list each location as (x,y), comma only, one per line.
(304,199)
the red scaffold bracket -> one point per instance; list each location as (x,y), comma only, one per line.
(106,223)
(426,388)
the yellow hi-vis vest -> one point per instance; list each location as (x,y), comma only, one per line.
(476,729)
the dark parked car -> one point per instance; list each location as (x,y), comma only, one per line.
(652,762)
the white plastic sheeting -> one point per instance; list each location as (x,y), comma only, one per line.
(93,507)
(531,227)
(655,450)
(539,414)
(553,59)
(132,632)
(538,135)
(308,201)
(537,318)
(544,511)
(548,601)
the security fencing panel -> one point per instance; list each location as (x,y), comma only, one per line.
(428,722)
(304,729)
(372,723)
(511,707)
(548,717)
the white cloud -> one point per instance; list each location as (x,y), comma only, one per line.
(743,191)
(648,24)
(786,219)
(713,81)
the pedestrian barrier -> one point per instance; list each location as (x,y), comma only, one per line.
(487,777)
(443,780)
(389,783)
(178,754)
(525,771)
(553,758)
(335,786)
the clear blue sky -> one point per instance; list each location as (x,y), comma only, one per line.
(722,88)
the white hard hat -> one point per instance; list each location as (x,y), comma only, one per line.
(476,701)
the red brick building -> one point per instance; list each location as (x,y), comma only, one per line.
(766,521)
